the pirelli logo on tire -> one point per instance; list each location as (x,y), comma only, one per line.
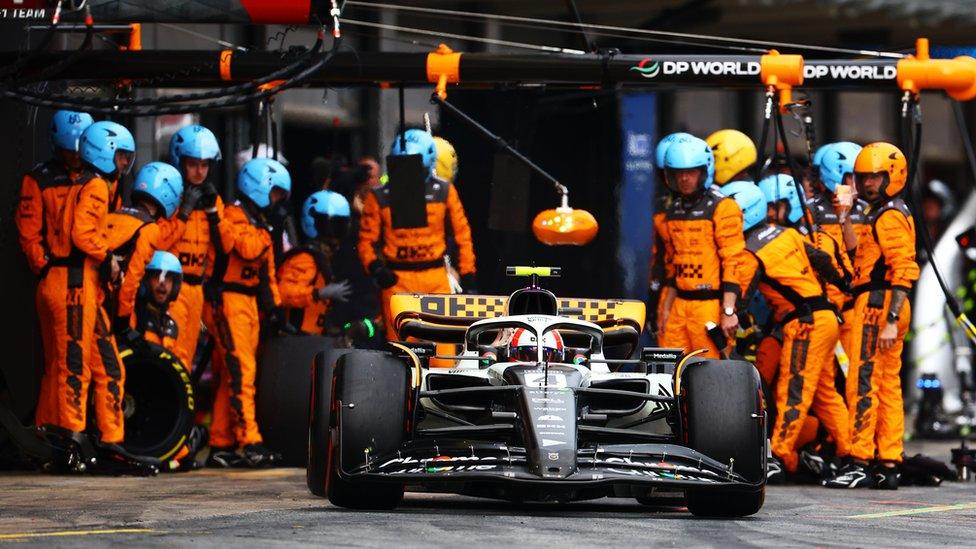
(490,306)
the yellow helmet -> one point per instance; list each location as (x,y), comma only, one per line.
(884,158)
(446,165)
(734,152)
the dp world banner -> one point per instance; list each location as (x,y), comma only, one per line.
(638,123)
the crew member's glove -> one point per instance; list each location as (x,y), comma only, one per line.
(337,291)
(278,322)
(108,269)
(191,197)
(208,197)
(384,277)
(469,283)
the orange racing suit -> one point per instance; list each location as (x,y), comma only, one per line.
(250,265)
(302,272)
(415,256)
(823,216)
(197,256)
(46,241)
(704,249)
(86,214)
(785,274)
(884,261)
(135,236)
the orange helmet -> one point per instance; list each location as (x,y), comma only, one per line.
(885,158)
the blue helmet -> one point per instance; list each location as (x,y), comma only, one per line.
(688,154)
(417,142)
(838,159)
(664,143)
(99,143)
(67,127)
(782,187)
(161,183)
(325,213)
(752,201)
(259,176)
(161,265)
(165,262)
(193,141)
(818,156)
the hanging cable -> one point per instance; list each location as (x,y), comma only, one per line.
(606,34)
(766,43)
(483,40)
(911,115)
(967,141)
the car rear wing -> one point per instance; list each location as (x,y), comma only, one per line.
(448,316)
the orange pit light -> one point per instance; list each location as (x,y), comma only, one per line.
(565,226)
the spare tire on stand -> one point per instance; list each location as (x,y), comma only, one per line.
(284,378)
(158,402)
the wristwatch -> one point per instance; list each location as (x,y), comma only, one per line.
(893,318)
(728,311)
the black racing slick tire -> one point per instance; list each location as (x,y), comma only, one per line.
(319,422)
(370,406)
(724,418)
(158,402)
(284,364)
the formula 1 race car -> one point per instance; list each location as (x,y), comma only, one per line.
(533,409)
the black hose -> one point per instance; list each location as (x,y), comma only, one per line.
(914,141)
(230,101)
(967,141)
(86,104)
(761,160)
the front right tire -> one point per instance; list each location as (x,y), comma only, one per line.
(724,414)
(372,389)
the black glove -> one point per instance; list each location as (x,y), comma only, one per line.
(105,269)
(469,283)
(191,197)
(384,277)
(125,336)
(208,195)
(278,322)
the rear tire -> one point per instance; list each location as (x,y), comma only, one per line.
(158,403)
(319,413)
(724,413)
(284,364)
(371,391)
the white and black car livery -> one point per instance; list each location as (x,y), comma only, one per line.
(585,427)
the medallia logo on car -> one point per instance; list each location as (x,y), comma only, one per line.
(647,68)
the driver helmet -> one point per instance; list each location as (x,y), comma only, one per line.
(524,346)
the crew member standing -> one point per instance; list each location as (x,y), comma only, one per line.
(194,151)
(412,260)
(108,151)
(884,272)
(44,193)
(246,239)
(705,244)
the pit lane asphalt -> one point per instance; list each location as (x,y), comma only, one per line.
(271,508)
